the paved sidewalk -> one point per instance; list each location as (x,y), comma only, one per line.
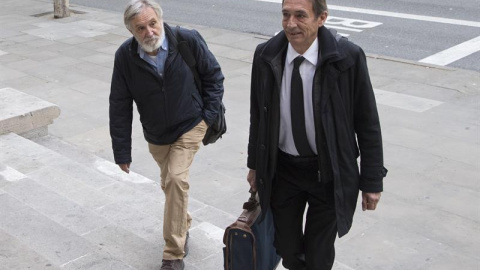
(429,215)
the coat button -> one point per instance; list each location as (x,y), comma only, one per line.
(261,181)
(262,147)
(265,109)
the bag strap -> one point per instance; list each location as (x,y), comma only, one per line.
(188,57)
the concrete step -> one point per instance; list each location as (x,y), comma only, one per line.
(66,208)
(25,114)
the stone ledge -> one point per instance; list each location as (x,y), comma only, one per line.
(24,114)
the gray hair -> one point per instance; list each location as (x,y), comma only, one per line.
(319,6)
(136,6)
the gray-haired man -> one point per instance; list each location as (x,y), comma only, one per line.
(149,70)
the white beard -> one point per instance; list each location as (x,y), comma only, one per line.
(151,44)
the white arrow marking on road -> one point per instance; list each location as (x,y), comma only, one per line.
(454,53)
(396,15)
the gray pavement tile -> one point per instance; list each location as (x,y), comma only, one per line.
(56,207)
(8,33)
(8,58)
(133,250)
(93,87)
(422,90)
(146,226)
(62,61)
(10,74)
(87,175)
(447,195)
(78,52)
(62,75)
(112,39)
(96,45)
(228,52)
(103,59)
(91,139)
(428,221)
(201,234)
(75,40)
(49,239)
(97,260)
(109,49)
(232,65)
(24,64)
(459,173)
(93,71)
(459,112)
(214,216)
(389,249)
(456,150)
(133,197)
(74,125)
(447,260)
(70,188)
(40,55)
(17,255)
(20,163)
(208,191)
(19,48)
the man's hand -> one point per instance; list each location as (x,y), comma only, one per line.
(125,167)
(370,200)
(251,180)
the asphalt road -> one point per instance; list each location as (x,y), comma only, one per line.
(441,32)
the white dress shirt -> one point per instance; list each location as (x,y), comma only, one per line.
(307,72)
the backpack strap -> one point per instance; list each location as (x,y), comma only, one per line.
(188,57)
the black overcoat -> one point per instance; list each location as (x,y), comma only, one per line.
(346,120)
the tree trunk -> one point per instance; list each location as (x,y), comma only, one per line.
(61,8)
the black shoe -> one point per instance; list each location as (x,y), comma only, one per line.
(173,265)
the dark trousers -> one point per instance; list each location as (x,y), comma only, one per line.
(297,184)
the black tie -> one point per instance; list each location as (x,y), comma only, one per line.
(298,111)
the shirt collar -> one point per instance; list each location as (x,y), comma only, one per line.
(311,55)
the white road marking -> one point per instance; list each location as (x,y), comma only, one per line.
(343,28)
(454,53)
(405,102)
(396,15)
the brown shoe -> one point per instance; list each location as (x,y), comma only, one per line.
(186,248)
(173,265)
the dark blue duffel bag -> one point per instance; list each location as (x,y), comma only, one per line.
(248,242)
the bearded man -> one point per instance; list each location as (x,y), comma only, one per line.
(149,70)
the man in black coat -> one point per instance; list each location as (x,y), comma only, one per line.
(149,71)
(312,115)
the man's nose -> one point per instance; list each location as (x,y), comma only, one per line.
(291,22)
(150,31)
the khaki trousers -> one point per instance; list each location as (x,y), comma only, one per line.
(174,161)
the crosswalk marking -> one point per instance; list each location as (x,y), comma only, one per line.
(454,53)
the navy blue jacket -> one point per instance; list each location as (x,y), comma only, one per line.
(169,105)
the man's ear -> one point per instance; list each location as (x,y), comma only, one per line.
(322,18)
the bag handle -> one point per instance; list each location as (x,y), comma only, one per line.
(252,202)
